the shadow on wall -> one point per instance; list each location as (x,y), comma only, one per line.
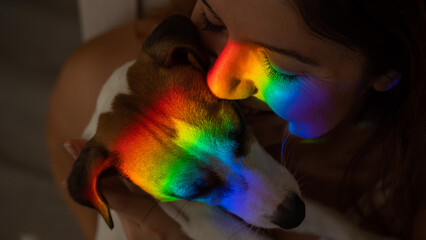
(36,39)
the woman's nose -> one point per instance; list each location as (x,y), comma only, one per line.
(227,78)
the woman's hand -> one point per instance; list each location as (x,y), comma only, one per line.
(140,215)
(278,234)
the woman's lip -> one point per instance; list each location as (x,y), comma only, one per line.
(253,107)
(254,112)
(259,116)
(254,104)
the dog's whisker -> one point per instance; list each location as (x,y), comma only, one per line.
(287,155)
(301,181)
(292,165)
(291,148)
(284,154)
(295,172)
(240,226)
(257,231)
(301,177)
(283,147)
(268,231)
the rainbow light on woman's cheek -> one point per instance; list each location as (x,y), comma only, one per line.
(281,96)
(246,62)
(304,105)
(291,99)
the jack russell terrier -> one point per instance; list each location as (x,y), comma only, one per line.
(157,124)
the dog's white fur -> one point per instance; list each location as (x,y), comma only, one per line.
(203,222)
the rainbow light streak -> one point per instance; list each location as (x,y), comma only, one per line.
(248,64)
(157,161)
(234,203)
(243,70)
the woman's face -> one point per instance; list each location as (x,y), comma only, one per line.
(267,53)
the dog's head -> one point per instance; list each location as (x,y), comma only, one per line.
(171,137)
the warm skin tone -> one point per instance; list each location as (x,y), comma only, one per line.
(327,84)
(315,100)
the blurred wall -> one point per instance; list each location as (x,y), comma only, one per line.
(36,37)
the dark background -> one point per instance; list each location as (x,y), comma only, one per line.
(36,37)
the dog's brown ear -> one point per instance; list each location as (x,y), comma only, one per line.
(82,183)
(176,41)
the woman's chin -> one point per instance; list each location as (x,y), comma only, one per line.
(305,132)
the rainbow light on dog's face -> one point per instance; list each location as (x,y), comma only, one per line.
(165,163)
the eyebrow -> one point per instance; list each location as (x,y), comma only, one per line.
(287,52)
(290,53)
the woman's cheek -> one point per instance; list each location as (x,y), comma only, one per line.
(306,105)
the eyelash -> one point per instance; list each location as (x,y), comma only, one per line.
(208,26)
(274,74)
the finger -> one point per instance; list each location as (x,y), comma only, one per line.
(125,202)
(137,231)
(74,147)
(144,211)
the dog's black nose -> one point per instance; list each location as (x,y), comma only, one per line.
(290,213)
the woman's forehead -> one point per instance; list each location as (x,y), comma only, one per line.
(277,23)
(274,23)
(256,16)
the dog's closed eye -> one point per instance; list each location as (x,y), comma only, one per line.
(210,182)
(202,187)
(200,190)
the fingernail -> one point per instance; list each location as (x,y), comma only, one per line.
(71,149)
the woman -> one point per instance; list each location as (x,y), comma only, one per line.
(347,75)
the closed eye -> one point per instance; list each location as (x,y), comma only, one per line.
(204,186)
(200,188)
(190,190)
(209,26)
(275,74)
(200,192)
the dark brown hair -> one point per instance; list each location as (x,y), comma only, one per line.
(392,36)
